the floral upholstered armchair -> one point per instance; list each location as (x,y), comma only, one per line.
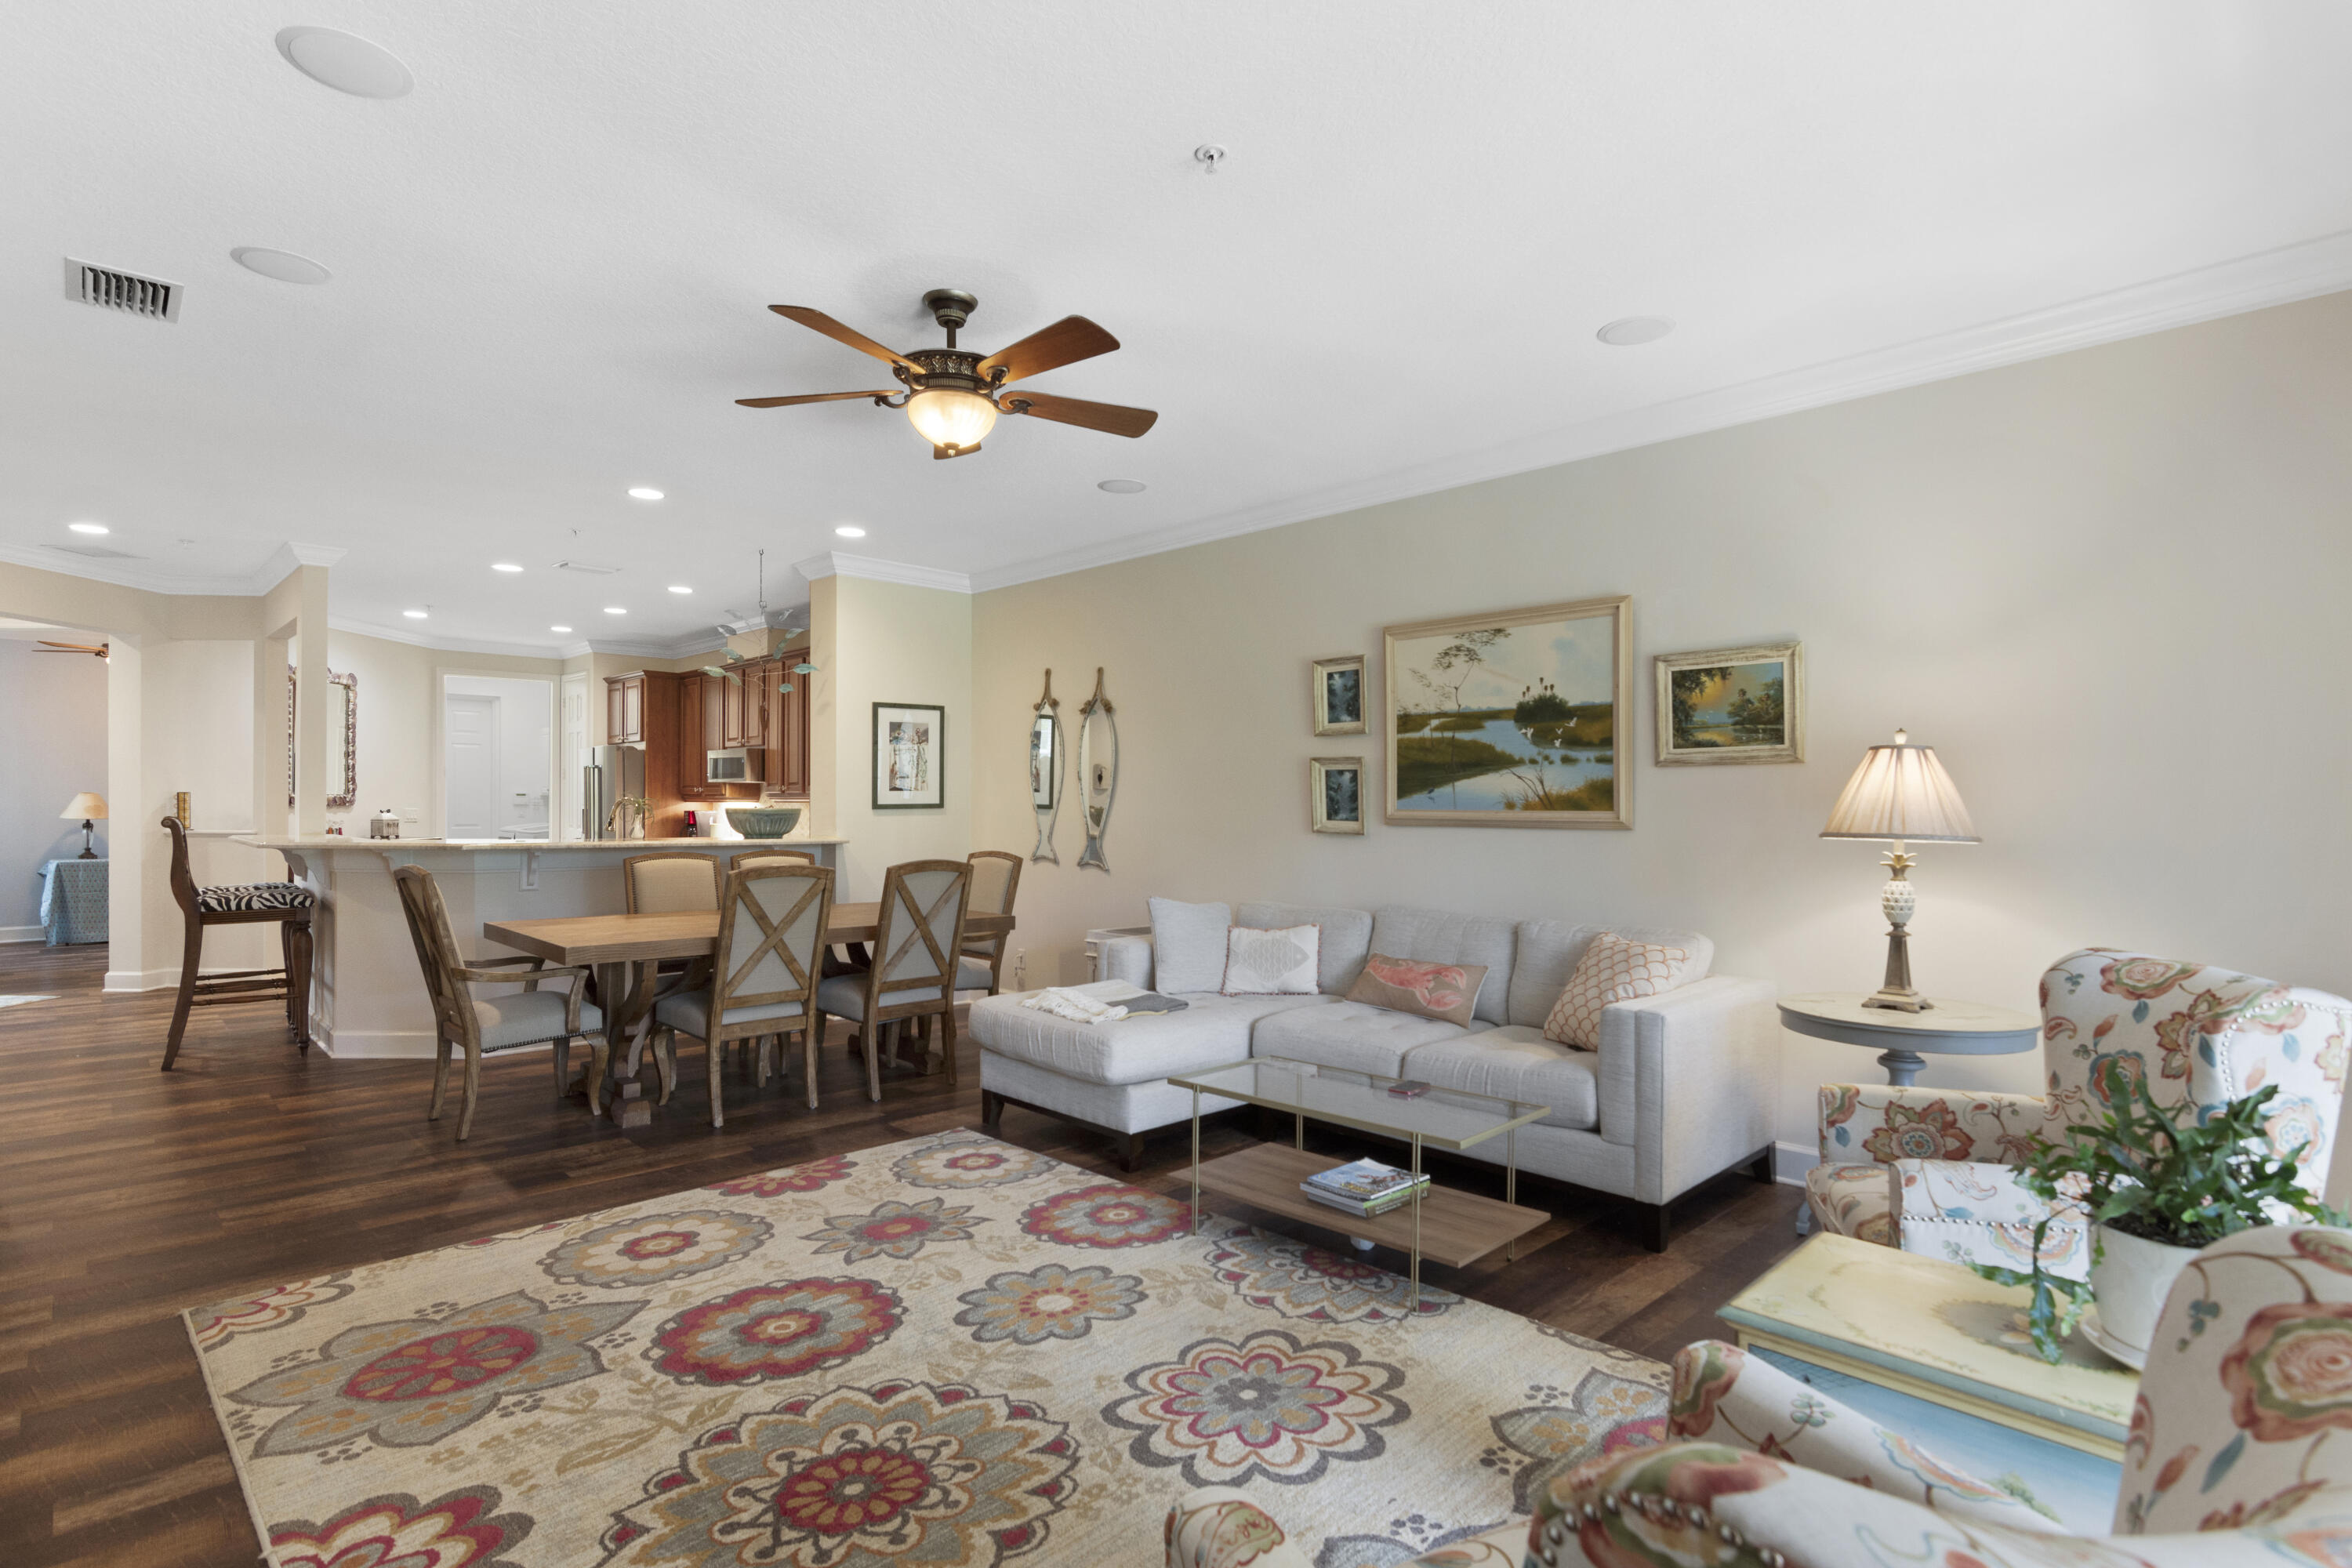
(1928,1170)
(2232,1458)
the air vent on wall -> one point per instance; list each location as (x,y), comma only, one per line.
(128,292)
(593,568)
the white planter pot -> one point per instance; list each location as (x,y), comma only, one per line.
(2130,1280)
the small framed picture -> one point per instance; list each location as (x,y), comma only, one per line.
(1732,705)
(1339,695)
(909,756)
(1335,789)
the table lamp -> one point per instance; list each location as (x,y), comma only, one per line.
(86,806)
(1901,794)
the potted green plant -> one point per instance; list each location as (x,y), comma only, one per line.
(2157,1184)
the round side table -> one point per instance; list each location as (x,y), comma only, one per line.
(1947,1028)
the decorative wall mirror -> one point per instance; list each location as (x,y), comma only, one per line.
(1097,771)
(343,737)
(1045,770)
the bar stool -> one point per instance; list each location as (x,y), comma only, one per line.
(289,903)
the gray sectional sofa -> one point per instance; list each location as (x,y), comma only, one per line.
(1681,1089)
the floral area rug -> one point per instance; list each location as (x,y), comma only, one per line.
(940,1351)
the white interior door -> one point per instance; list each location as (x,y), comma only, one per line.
(471,734)
(574,756)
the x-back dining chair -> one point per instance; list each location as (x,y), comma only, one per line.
(995,878)
(287,903)
(482,1026)
(917,935)
(763,977)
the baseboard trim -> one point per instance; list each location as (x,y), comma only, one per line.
(1791,1160)
(128,981)
(405,1045)
(21,933)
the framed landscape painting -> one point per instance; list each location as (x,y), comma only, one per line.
(1339,695)
(1335,789)
(1732,705)
(909,755)
(1512,719)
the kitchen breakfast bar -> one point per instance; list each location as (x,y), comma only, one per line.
(367,998)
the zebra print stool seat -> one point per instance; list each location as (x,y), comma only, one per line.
(255,896)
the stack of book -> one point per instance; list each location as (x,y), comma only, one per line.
(1364,1187)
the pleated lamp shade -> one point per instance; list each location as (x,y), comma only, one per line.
(1901,792)
(84,806)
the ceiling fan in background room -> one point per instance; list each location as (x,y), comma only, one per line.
(953,395)
(100,649)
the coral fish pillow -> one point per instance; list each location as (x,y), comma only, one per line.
(1447,992)
(1611,970)
(1260,962)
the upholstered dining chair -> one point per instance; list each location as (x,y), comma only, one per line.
(1931,1169)
(287,903)
(763,977)
(918,938)
(2232,1461)
(995,878)
(661,882)
(761,857)
(484,1025)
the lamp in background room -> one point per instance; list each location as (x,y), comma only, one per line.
(89,807)
(1900,794)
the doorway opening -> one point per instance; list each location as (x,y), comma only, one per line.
(53,872)
(498,757)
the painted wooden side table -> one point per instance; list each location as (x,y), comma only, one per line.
(1947,1028)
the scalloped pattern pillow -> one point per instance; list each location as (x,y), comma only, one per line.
(1611,970)
(1261,963)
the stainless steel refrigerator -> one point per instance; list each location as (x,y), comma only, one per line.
(615,773)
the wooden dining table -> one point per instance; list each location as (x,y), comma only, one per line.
(624,950)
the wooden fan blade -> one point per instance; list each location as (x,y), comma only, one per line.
(48,646)
(1108,418)
(1066,342)
(817,321)
(810,397)
(939,453)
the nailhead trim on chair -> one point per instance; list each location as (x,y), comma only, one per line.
(1657,1509)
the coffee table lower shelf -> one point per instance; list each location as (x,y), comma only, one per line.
(1456,1228)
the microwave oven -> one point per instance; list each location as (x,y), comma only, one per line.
(738,765)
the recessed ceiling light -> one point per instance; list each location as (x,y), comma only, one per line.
(615,610)
(413,615)
(504,566)
(345,63)
(559,629)
(282,265)
(1630,331)
(1122,486)
(88,527)
(850,531)
(644,492)
(680,588)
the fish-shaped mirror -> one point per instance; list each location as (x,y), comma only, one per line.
(1045,770)
(1097,771)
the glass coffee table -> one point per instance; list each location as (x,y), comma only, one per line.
(1451,1227)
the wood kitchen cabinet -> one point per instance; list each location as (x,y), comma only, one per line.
(787,756)
(641,709)
(759,677)
(625,710)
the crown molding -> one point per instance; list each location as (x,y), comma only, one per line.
(446,644)
(2279,277)
(144,574)
(836,563)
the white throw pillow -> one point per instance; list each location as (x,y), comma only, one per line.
(1188,945)
(1282,962)
(1611,970)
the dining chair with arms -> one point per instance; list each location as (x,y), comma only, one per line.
(995,878)
(762,977)
(484,1025)
(917,936)
(287,903)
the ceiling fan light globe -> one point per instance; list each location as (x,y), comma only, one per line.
(949,418)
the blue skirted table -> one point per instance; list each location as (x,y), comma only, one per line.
(73,901)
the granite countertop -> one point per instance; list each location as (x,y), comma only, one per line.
(360,841)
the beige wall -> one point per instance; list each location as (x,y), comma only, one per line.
(2107,586)
(886,642)
(400,719)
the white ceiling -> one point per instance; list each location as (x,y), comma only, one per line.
(551,260)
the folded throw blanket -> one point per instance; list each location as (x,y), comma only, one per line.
(1104,1002)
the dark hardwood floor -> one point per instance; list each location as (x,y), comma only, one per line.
(127,1194)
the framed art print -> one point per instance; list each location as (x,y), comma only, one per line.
(1517,718)
(1335,791)
(1732,705)
(909,756)
(1339,695)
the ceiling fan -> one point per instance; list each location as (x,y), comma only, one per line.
(953,395)
(48,646)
